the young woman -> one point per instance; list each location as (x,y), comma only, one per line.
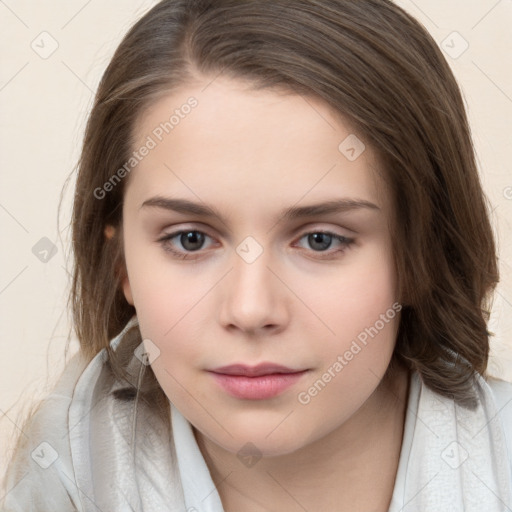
(283,266)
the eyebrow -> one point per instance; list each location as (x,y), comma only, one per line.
(342,205)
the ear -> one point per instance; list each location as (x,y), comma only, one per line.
(109,232)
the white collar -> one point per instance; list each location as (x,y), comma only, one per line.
(198,487)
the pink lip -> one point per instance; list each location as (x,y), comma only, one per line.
(259,382)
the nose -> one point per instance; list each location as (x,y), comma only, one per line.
(254,299)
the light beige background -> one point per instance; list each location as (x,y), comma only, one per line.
(44,105)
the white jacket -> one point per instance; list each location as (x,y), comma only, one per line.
(84,452)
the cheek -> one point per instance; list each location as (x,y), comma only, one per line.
(356,298)
(181,351)
(164,292)
(363,316)
(353,361)
(168,310)
(173,321)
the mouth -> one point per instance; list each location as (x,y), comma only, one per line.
(254,371)
(259,382)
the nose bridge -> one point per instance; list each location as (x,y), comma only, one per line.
(251,271)
(254,294)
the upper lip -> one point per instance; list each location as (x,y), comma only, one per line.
(254,371)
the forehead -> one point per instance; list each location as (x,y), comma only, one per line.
(250,148)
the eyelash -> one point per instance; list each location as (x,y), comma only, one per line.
(164,241)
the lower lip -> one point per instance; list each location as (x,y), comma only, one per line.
(257,388)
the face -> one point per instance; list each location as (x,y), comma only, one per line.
(300,306)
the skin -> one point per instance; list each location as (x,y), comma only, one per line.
(251,154)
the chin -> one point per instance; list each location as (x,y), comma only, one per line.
(263,438)
(261,447)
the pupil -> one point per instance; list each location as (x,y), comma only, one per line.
(190,238)
(319,238)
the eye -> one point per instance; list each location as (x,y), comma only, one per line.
(322,240)
(191,240)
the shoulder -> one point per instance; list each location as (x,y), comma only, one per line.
(40,473)
(91,442)
(501,391)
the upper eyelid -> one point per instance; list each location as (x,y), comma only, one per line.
(311,228)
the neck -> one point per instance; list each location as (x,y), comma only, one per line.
(352,468)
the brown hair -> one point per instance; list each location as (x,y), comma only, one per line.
(378,67)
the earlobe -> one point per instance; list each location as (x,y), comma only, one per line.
(109,231)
